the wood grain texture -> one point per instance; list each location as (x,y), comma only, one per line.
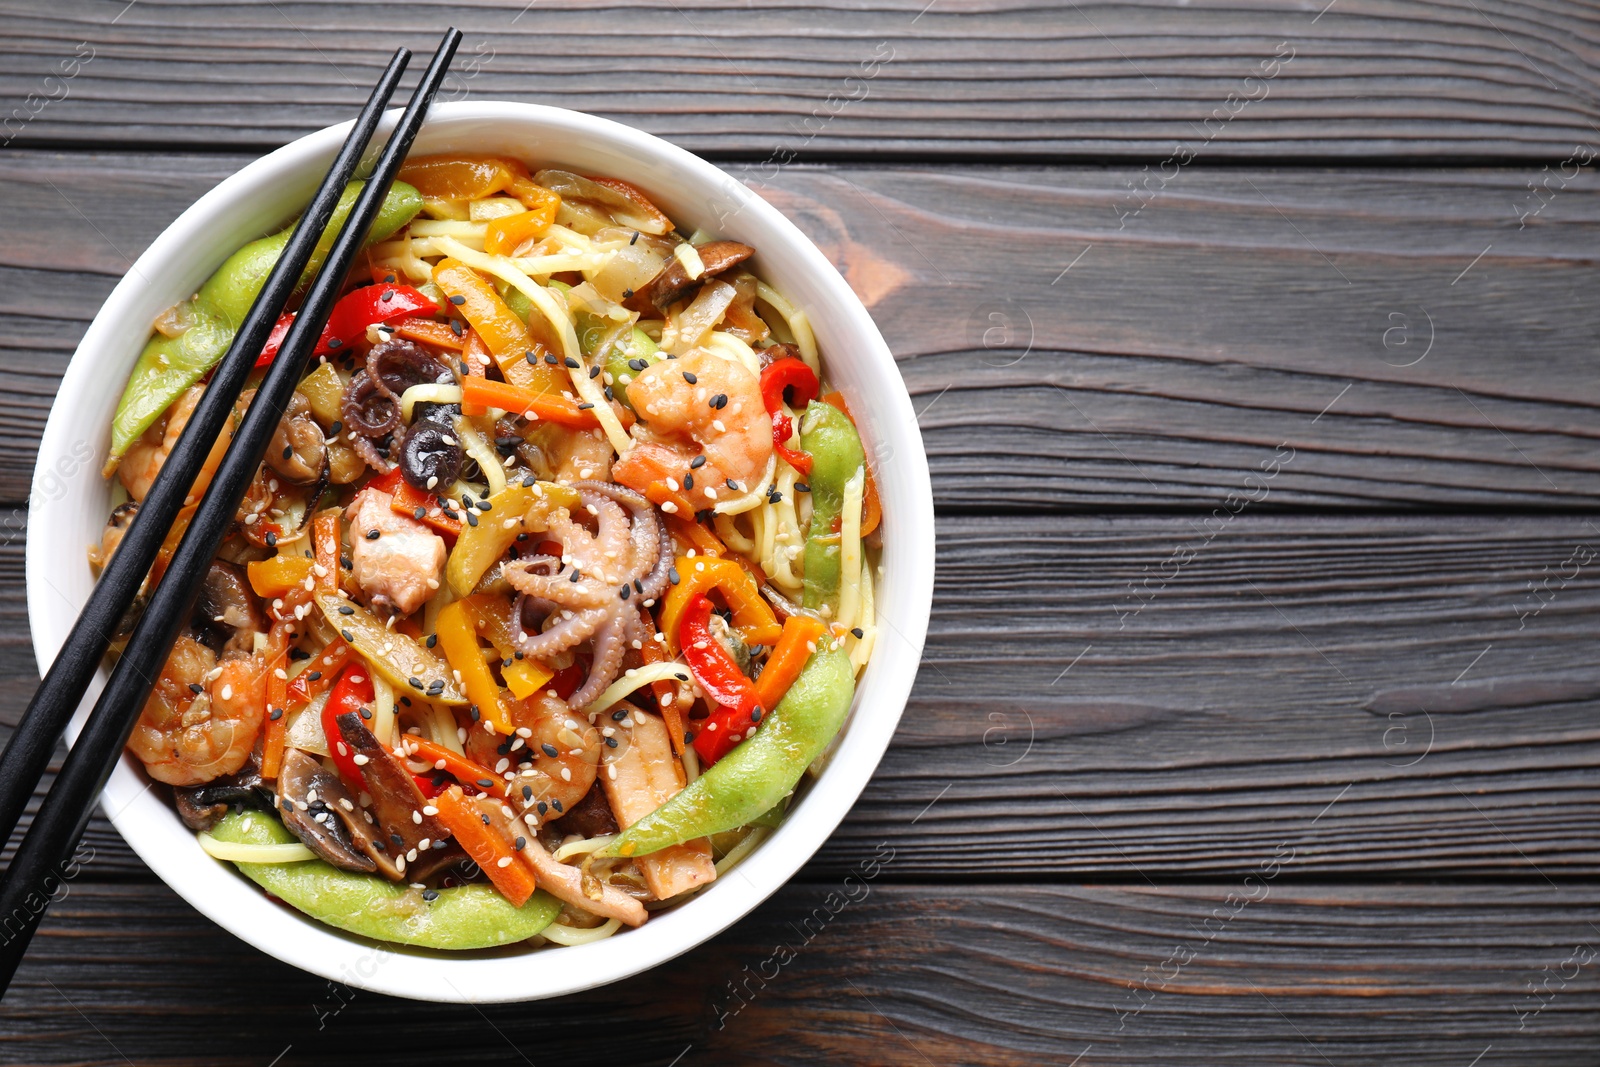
(1359,686)
(960,79)
(1064,358)
(861,971)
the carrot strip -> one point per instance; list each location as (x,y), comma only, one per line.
(430,332)
(406,499)
(788,658)
(488,848)
(325,665)
(666,694)
(277,728)
(463,769)
(548,406)
(325,543)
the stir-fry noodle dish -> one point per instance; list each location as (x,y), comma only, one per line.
(554,582)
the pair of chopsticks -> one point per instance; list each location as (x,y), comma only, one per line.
(35,873)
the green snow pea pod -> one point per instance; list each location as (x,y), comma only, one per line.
(828,434)
(461,917)
(169,365)
(626,356)
(749,782)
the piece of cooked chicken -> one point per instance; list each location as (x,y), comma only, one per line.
(396,560)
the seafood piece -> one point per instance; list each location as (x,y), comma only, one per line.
(203,716)
(397,560)
(145,457)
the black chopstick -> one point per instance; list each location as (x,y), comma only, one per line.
(59,824)
(25,758)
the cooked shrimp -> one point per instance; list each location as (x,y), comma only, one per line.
(566,755)
(194,727)
(700,404)
(397,560)
(146,456)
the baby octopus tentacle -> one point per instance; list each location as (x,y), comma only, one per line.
(609,643)
(543,577)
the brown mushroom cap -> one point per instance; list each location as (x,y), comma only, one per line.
(201,806)
(397,809)
(227,613)
(674,284)
(319,810)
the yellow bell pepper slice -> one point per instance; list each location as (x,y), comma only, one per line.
(458,640)
(278,576)
(491,617)
(479,546)
(752,615)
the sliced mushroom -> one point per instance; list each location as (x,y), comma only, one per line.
(589,817)
(618,203)
(674,284)
(298,450)
(397,810)
(227,615)
(99,555)
(201,806)
(315,805)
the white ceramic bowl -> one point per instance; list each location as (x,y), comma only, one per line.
(70,501)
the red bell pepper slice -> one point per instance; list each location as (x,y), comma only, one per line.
(778,377)
(738,706)
(351,316)
(352,692)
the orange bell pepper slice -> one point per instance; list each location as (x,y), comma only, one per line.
(278,576)
(320,673)
(430,332)
(506,233)
(752,615)
(505,334)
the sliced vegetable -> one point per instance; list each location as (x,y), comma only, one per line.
(465,771)
(828,435)
(491,618)
(277,724)
(507,233)
(752,615)
(552,407)
(405,663)
(320,673)
(640,776)
(801,633)
(429,332)
(278,575)
(458,640)
(325,547)
(738,705)
(478,547)
(488,848)
(351,693)
(477,301)
(354,313)
(790,381)
(458,918)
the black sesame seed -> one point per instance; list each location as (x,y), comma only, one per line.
(543,807)
(416,683)
(733,485)
(521,843)
(572,364)
(672,575)
(344,561)
(380,845)
(334,342)
(346,609)
(611,742)
(313,676)
(755,713)
(688,481)
(626,592)
(475,713)
(484,783)
(288,450)
(419,514)
(432,640)
(618,716)
(697,462)
(551,359)
(388,295)
(634,238)
(719,401)
(557,805)
(857,632)
(397,839)
(456,327)
(609,394)
(627,294)
(336,428)
(277,713)
(298,654)
(516,655)
(550,750)
(637,588)
(576,575)
(272,539)
(406,701)
(585,407)
(430,895)
(348,636)
(372,535)
(465,370)
(458,300)
(472,520)
(594,371)
(527,792)
(504,748)
(366,713)
(801,487)
(689,377)
(688,737)
(485,819)
(637,364)
(484,505)
(389,279)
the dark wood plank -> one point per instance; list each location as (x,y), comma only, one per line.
(1361,683)
(1363,79)
(859,971)
(1164,368)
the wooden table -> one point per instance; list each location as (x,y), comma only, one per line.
(1254,351)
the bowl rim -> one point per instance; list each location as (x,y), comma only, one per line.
(217,891)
